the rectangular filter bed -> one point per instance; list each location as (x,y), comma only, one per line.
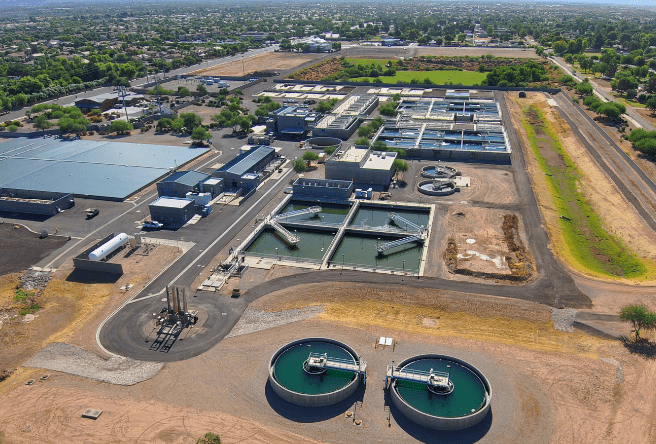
(359,249)
(330,214)
(377,216)
(312,245)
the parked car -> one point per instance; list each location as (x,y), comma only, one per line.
(152,224)
(91,212)
(309,102)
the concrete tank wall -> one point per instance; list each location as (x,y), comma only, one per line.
(306,400)
(437,422)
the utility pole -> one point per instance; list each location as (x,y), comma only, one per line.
(123,93)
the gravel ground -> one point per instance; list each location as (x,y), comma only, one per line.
(66,358)
(563,319)
(256,320)
(34,280)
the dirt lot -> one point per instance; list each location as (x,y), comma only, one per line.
(277,61)
(477,237)
(26,248)
(604,196)
(549,386)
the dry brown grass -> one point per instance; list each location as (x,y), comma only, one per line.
(531,335)
(88,299)
(8,284)
(481,318)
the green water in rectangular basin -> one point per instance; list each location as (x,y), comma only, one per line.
(378,216)
(330,213)
(312,244)
(361,250)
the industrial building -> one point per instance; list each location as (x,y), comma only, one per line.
(172,210)
(89,168)
(317,44)
(246,170)
(34,202)
(107,101)
(362,166)
(322,189)
(180,183)
(292,121)
(455,127)
(345,119)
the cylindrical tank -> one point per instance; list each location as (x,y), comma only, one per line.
(290,380)
(467,404)
(111,245)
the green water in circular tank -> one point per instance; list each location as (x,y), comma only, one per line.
(468,394)
(288,369)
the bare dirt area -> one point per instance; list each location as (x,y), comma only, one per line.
(485,243)
(549,386)
(615,211)
(55,416)
(26,248)
(277,60)
(72,305)
(487,184)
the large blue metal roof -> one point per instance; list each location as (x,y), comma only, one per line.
(86,167)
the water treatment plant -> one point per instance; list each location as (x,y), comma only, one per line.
(316,372)
(379,237)
(352,248)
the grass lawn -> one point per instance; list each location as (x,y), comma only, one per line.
(381,62)
(628,102)
(582,229)
(437,77)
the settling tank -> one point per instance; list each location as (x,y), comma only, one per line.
(439,392)
(108,247)
(315,372)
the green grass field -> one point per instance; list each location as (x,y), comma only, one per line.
(437,77)
(584,234)
(381,62)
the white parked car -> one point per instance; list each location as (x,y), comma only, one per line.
(152,224)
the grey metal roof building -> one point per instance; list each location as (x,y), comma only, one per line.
(241,171)
(180,183)
(248,161)
(106,170)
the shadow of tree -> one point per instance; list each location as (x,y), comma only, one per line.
(642,347)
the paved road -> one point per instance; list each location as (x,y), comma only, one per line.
(123,333)
(632,182)
(637,118)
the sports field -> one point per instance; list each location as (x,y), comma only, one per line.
(437,77)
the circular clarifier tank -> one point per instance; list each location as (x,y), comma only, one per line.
(315,372)
(440,392)
(438,172)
